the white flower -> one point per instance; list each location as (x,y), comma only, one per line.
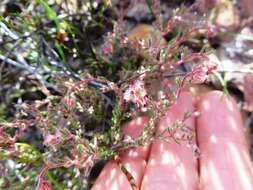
(90,110)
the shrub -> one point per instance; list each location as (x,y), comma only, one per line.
(55,141)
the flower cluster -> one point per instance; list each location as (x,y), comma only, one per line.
(200,73)
(136,93)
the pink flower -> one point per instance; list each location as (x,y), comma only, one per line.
(199,74)
(69,102)
(50,140)
(136,93)
(107,48)
(211,32)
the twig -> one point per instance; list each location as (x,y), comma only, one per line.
(7,31)
(30,70)
(8,54)
(236,71)
(14,63)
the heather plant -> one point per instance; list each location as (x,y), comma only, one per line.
(55,141)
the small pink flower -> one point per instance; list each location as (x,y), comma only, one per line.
(136,93)
(50,140)
(107,48)
(199,74)
(211,32)
(69,102)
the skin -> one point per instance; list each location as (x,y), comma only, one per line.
(248,7)
(223,163)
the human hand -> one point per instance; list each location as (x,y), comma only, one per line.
(224,161)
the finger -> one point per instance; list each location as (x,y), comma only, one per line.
(224,160)
(134,129)
(113,178)
(172,165)
(133,159)
(136,168)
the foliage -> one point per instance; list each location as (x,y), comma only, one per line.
(83,86)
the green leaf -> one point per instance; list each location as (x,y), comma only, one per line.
(222,81)
(60,47)
(49,12)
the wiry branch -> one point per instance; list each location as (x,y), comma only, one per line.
(30,69)
(33,70)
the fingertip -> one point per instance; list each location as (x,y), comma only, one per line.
(217,97)
(172,165)
(136,152)
(219,117)
(134,129)
(112,178)
(224,159)
(136,167)
(184,104)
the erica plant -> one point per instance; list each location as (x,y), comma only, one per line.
(134,72)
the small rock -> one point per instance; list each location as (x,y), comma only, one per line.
(140,13)
(225,15)
(147,36)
